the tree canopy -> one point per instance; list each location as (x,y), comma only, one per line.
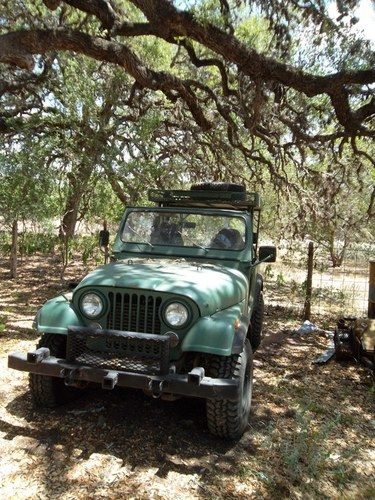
(144,93)
(307,84)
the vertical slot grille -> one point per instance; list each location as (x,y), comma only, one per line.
(134,313)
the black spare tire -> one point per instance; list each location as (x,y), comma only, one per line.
(218,186)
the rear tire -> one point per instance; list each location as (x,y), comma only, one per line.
(226,418)
(257,323)
(49,392)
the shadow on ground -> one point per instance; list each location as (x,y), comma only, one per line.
(146,438)
(309,434)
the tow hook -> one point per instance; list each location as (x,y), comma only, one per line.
(71,377)
(110,380)
(196,375)
(38,355)
(156,387)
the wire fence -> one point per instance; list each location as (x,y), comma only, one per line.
(336,291)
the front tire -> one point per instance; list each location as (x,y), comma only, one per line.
(226,418)
(49,392)
(257,323)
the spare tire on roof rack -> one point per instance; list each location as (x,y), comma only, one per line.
(218,186)
(205,197)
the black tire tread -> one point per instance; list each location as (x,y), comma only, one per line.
(222,414)
(257,323)
(218,186)
(50,392)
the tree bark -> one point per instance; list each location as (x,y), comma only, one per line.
(116,187)
(310,268)
(14,250)
(165,21)
(69,220)
(78,182)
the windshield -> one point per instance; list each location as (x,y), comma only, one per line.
(187,230)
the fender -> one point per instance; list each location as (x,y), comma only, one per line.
(56,315)
(240,335)
(217,334)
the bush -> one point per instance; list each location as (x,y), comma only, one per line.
(5,242)
(87,247)
(31,243)
(28,243)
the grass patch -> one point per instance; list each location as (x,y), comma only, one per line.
(304,453)
(2,324)
(368,493)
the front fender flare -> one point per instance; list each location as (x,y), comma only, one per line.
(56,315)
(216,334)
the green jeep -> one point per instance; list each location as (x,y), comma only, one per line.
(177,312)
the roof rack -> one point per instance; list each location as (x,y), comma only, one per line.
(236,200)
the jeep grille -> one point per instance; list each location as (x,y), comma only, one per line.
(130,352)
(134,312)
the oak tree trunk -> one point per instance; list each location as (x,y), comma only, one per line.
(69,221)
(78,183)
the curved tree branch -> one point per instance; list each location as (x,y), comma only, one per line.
(42,41)
(199,63)
(170,22)
(166,21)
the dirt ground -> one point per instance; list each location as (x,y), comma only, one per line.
(310,434)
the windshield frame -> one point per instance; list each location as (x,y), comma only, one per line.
(245,254)
(190,212)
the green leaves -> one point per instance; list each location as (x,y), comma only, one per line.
(24,183)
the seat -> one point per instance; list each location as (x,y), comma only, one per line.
(227,239)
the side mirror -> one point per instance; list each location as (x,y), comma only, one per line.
(267,253)
(103,238)
(104,242)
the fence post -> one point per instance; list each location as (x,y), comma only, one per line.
(104,241)
(310,265)
(371,290)
(14,250)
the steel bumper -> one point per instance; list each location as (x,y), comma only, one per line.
(194,384)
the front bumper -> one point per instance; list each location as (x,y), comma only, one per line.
(194,384)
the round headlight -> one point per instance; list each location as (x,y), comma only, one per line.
(176,314)
(91,305)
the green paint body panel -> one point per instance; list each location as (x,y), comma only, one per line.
(56,315)
(210,286)
(217,286)
(213,334)
(209,334)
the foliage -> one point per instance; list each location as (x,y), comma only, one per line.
(84,137)
(31,243)
(24,183)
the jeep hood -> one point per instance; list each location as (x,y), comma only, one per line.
(211,287)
